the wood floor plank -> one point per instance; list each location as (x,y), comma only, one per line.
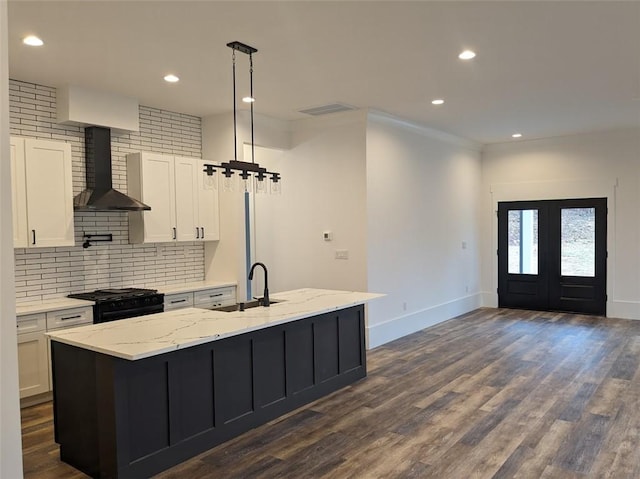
(582,445)
(495,393)
(544,449)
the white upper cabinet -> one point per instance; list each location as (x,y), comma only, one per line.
(151,179)
(182,209)
(208,212)
(42,193)
(186,199)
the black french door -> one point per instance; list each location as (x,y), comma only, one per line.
(552,255)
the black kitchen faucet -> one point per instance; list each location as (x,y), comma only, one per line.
(265,297)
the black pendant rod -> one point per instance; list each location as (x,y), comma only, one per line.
(253,160)
(235,133)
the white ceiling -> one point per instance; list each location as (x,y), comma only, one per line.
(543,68)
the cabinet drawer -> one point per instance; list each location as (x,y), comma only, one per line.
(214,297)
(32,323)
(69,317)
(177,301)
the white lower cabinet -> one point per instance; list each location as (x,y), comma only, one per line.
(211,298)
(178,301)
(65,319)
(34,348)
(33,355)
(204,298)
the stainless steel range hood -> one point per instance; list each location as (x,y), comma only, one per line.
(100,195)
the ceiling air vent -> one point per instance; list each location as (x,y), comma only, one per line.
(326,109)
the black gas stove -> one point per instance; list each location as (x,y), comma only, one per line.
(114,304)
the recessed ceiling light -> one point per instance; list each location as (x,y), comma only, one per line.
(32,41)
(467,55)
(248,99)
(438,101)
(171,78)
(516,135)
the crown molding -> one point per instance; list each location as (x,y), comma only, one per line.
(423,130)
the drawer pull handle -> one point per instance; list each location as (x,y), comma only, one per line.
(64,318)
(174,301)
(216,295)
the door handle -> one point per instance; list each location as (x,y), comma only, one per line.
(197,233)
(202,235)
(34,236)
(175,233)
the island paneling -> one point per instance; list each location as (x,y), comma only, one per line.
(120,418)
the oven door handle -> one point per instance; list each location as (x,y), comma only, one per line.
(128,313)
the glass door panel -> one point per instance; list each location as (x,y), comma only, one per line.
(523,241)
(578,242)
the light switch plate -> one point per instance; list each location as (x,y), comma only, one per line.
(342,254)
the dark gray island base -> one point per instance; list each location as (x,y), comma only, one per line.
(130,419)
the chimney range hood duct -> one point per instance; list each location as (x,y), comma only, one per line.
(100,195)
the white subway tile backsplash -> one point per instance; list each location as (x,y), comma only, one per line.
(47,273)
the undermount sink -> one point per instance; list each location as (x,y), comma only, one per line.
(243,306)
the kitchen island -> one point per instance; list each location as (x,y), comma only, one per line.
(136,396)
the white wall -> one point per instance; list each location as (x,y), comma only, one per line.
(604,164)
(324,189)
(10,440)
(422,191)
(400,199)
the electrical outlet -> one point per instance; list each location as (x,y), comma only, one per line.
(342,254)
(327,235)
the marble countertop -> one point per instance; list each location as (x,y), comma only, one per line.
(50,305)
(145,336)
(196,286)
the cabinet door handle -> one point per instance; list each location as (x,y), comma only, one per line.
(33,232)
(175,233)
(197,233)
(177,301)
(202,235)
(64,318)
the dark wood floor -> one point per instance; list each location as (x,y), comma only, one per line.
(492,394)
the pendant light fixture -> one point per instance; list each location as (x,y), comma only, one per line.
(249,173)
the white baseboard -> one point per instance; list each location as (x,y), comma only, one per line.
(395,328)
(489,300)
(623,309)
